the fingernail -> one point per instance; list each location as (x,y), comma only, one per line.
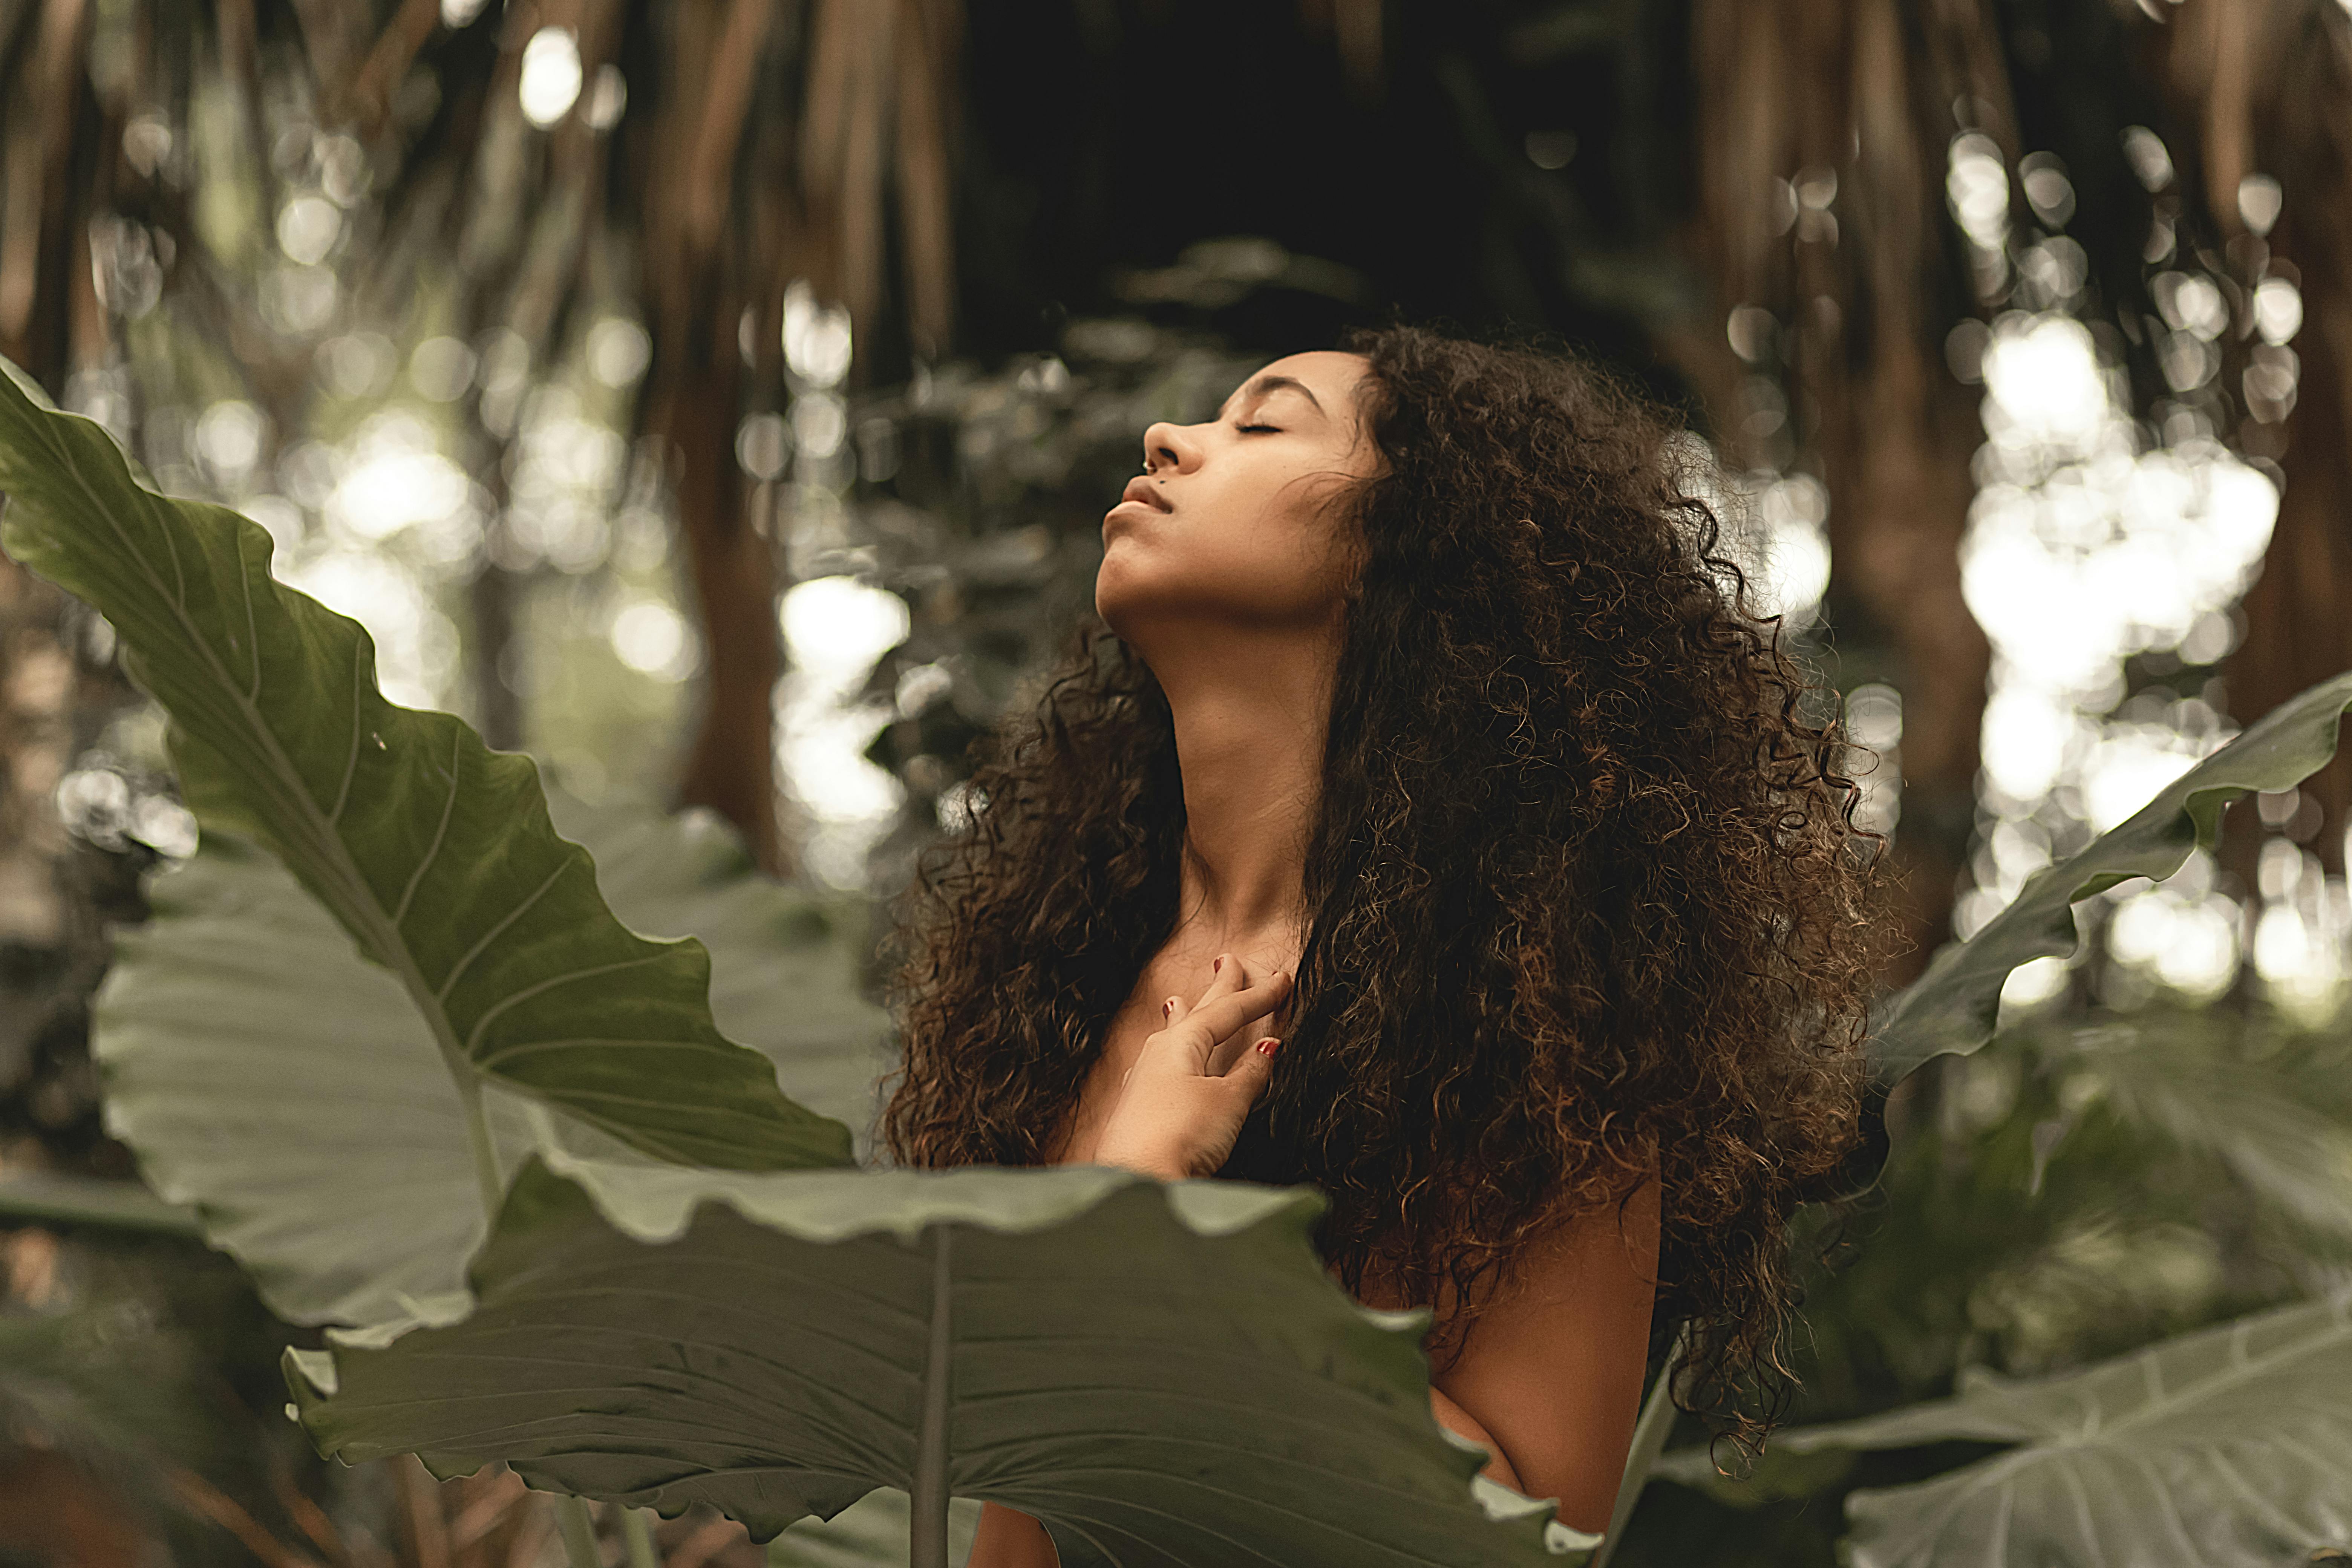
(1166,1009)
(1267,1048)
(1217,966)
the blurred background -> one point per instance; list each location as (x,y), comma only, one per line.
(719,399)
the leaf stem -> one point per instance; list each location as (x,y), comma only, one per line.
(579,1534)
(638,1531)
(927,1535)
(477,1138)
(1649,1442)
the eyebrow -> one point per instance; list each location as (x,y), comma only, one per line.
(1267,384)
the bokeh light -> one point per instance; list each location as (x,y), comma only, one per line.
(2099,550)
(549,81)
(652,639)
(837,628)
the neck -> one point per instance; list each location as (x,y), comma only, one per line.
(1250,725)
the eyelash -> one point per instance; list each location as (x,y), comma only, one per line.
(1270,429)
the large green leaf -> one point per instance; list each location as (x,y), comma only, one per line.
(434,852)
(1953,1007)
(289,1092)
(784,960)
(1162,1374)
(2229,1447)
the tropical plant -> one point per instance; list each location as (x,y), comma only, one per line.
(2174,1446)
(687,1292)
(584,1060)
(2228,1447)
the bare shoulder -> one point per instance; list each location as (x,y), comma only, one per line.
(1552,1364)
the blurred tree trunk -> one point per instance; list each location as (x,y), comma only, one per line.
(2266,81)
(729,766)
(700,303)
(1788,86)
(57,174)
(741,200)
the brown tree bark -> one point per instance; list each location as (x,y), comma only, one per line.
(729,766)
(56,169)
(1792,85)
(2265,80)
(696,291)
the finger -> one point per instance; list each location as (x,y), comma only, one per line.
(1252,1070)
(1222,1060)
(1227,974)
(1219,1017)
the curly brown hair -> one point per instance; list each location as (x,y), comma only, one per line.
(1586,900)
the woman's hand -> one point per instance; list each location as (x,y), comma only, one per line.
(1182,1104)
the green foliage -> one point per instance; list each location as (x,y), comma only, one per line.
(2037,1218)
(2085,1190)
(441,863)
(101,1384)
(654,1318)
(2272,1107)
(1954,1006)
(2230,1447)
(1148,1369)
(284,1089)
(434,852)
(784,977)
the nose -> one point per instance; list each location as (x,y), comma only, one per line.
(1167,446)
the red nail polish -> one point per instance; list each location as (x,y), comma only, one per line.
(1166,1009)
(1216,966)
(1267,1048)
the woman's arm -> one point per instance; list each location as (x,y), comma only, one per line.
(1011,1538)
(1552,1366)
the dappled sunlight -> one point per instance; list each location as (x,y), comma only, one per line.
(2300,939)
(392,478)
(2101,551)
(2181,933)
(837,628)
(560,509)
(415,644)
(549,81)
(1776,527)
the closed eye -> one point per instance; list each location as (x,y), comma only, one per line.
(1269,429)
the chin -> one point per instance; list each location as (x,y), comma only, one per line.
(1117,598)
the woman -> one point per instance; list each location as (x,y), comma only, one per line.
(1423,682)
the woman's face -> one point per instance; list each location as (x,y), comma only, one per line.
(1234,523)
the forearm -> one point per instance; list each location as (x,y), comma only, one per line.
(1008,1537)
(1460,1422)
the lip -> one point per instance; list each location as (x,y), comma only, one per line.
(1141,491)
